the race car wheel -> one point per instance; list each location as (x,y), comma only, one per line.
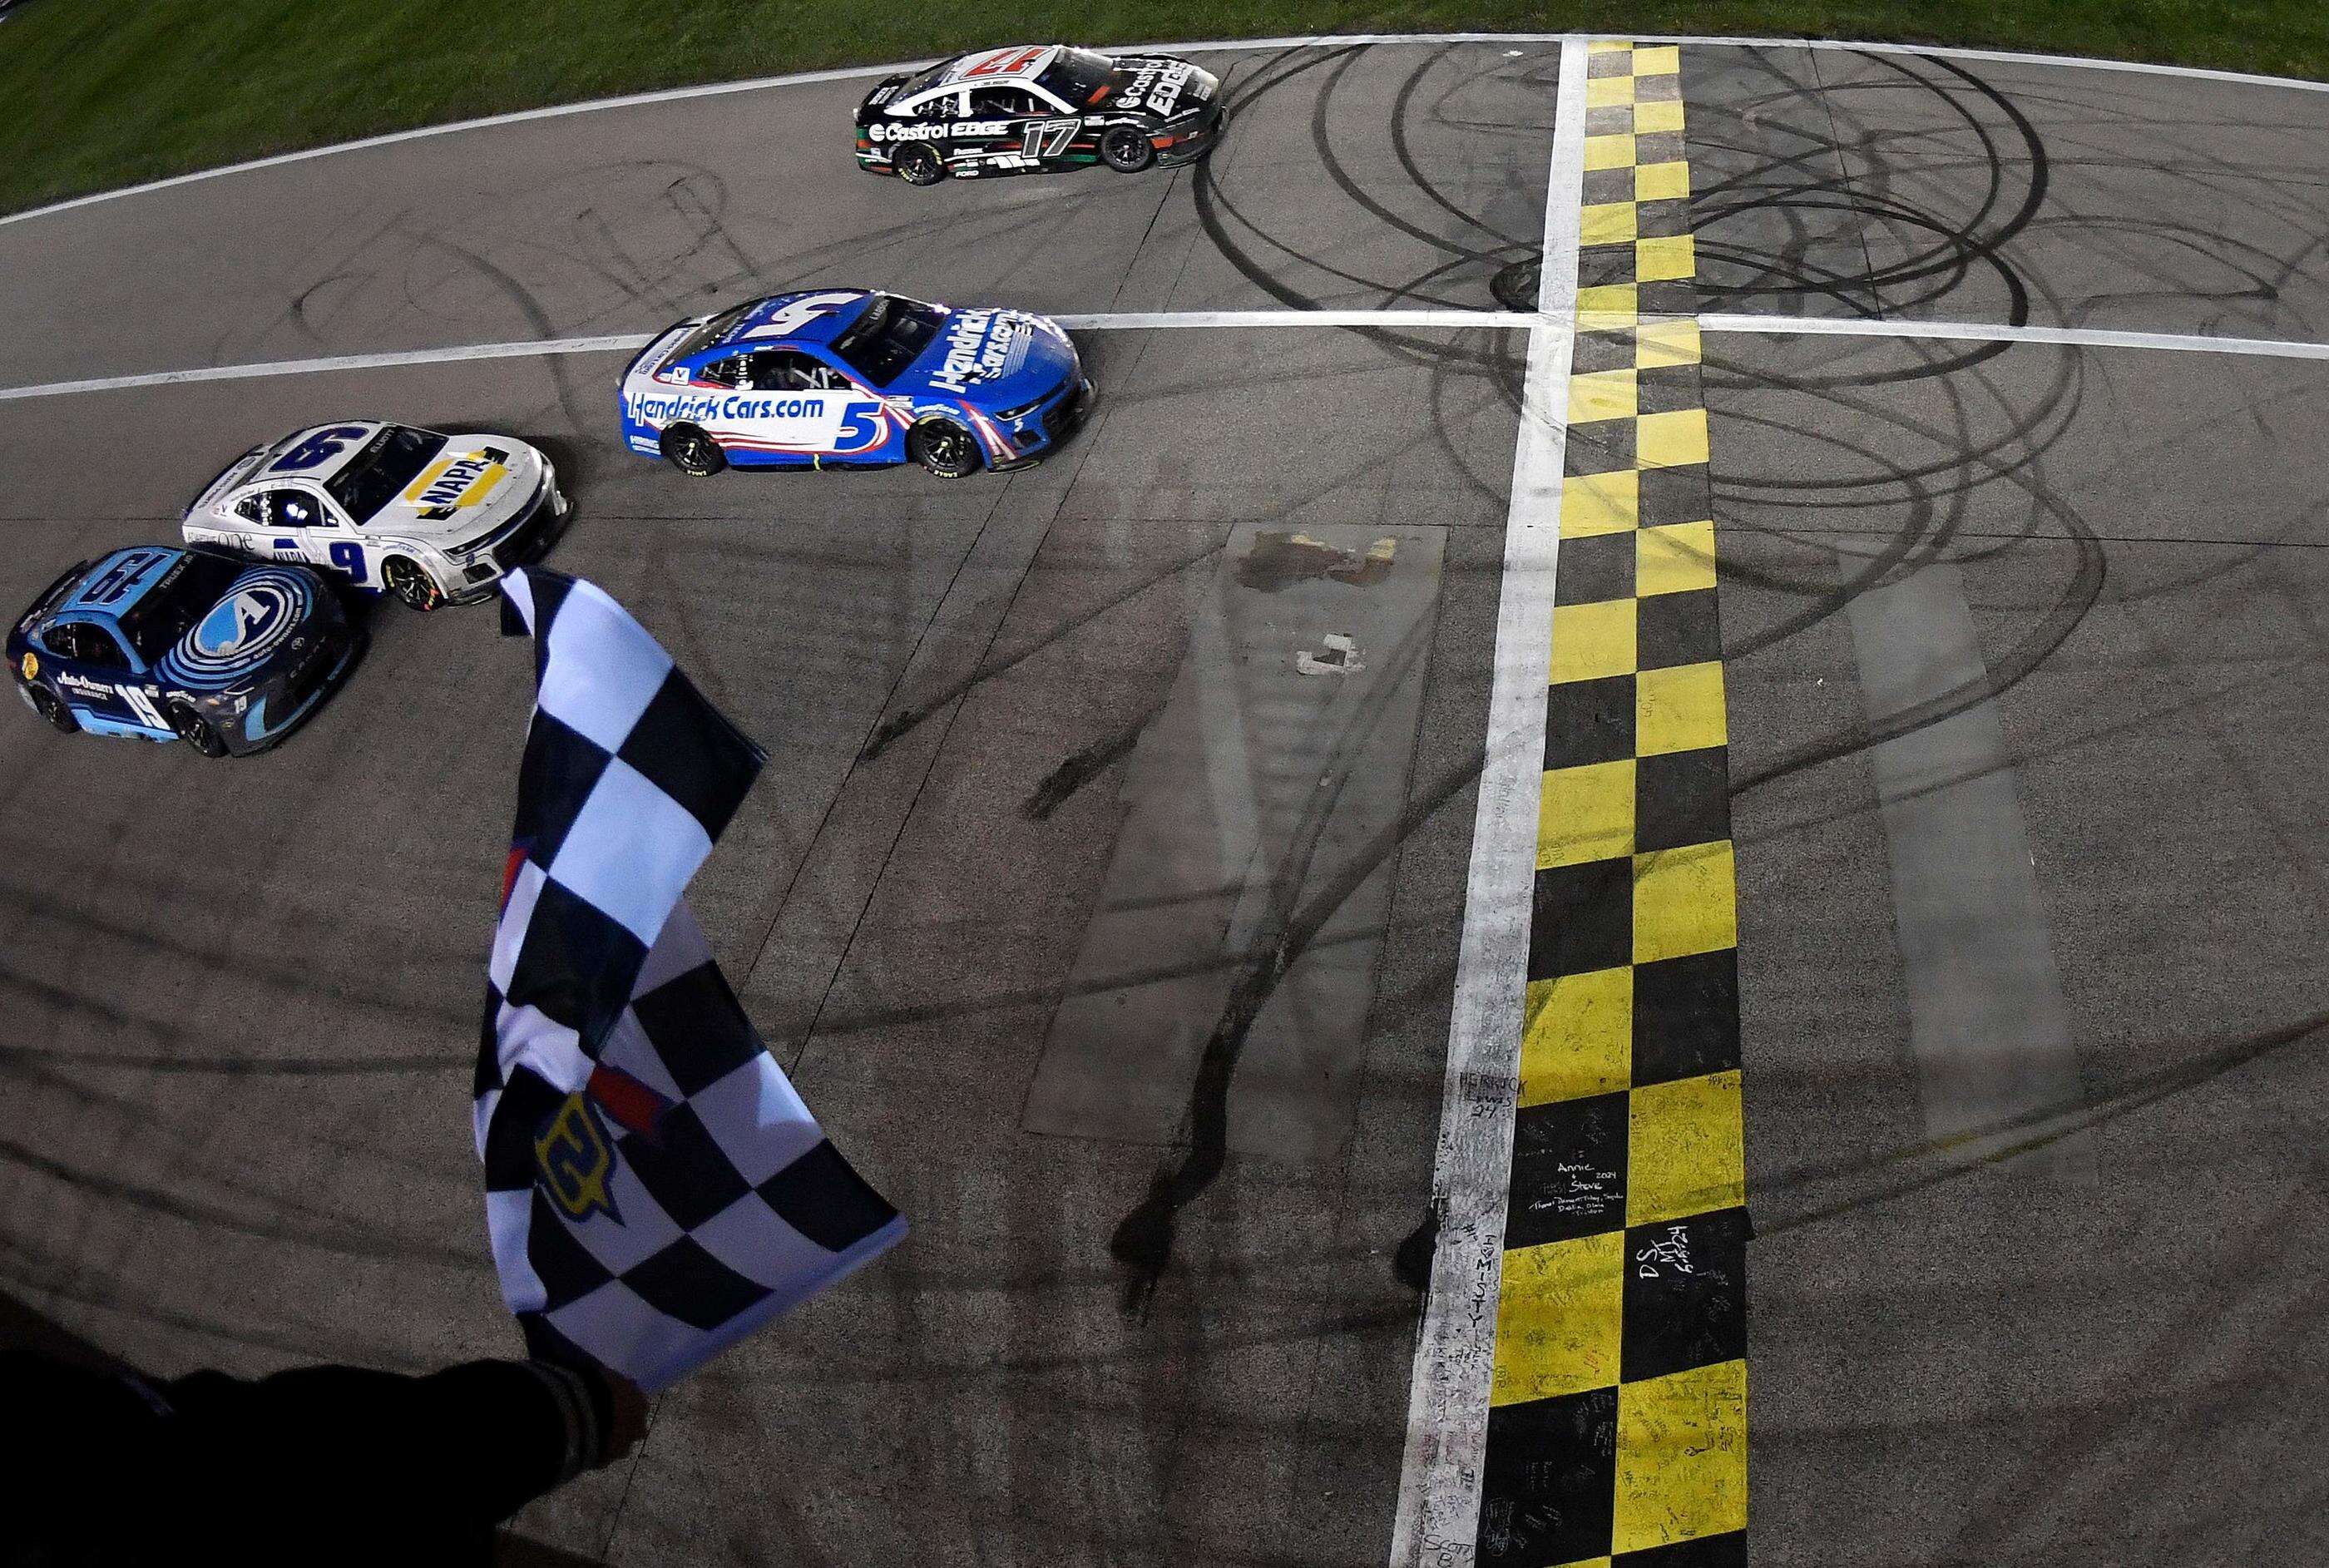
(1126,149)
(944,447)
(408,582)
(918,165)
(195,731)
(691,451)
(59,717)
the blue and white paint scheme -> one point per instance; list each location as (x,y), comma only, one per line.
(439,518)
(851,378)
(256,617)
(160,643)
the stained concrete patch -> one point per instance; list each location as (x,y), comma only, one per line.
(1987,1020)
(1244,801)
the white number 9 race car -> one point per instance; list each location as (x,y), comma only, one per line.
(433,519)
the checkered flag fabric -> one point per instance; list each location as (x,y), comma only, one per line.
(655,1188)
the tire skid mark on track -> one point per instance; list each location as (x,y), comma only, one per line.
(1940,251)
(1084,766)
(907,719)
(1322,142)
(1960,241)
(1949,448)
(1143,1240)
(177,1205)
(1217,212)
(2039,1127)
(38,1272)
(289,1218)
(54,915)
(1930,515)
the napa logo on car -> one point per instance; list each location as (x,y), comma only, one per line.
(979,345)
(450,484)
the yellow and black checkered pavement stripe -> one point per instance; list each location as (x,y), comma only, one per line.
(1617,1420)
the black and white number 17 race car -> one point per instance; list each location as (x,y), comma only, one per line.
(1045,107)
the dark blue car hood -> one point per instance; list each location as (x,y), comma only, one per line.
(253,628)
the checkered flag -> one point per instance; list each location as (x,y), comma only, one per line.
(654,1189)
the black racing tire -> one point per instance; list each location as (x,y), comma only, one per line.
(919,164)
(1126,149)
(944,447)
(59,717)
(195,731)
(692,452)
(410,583)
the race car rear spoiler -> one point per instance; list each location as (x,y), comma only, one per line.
(661,344)
(880,93)
(65,578)
(218,480)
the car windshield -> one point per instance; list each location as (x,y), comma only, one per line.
(183,596)
(1076,76)
(890,336)
(389,461)
(713,329)
(922,81)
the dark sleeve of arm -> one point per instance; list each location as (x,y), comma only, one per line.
(456,1451)
(74,1442)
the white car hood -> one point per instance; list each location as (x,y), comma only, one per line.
(477,485)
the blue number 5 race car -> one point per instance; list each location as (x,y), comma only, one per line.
(850,379)
(161,643)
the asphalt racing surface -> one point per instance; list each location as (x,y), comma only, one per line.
(2024,645)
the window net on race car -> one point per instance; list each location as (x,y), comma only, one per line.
(389,461)
(1077,77)
(922,81)
(183,596)
(715,329)
(890,336)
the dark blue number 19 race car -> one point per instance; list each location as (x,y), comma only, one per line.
(162,643)
(847,379)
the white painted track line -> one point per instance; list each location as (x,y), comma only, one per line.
(1998,332)
(1438,1522)
(1212,46)
(1991,56)
(1561,317)
(632,342)
(1136,319)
